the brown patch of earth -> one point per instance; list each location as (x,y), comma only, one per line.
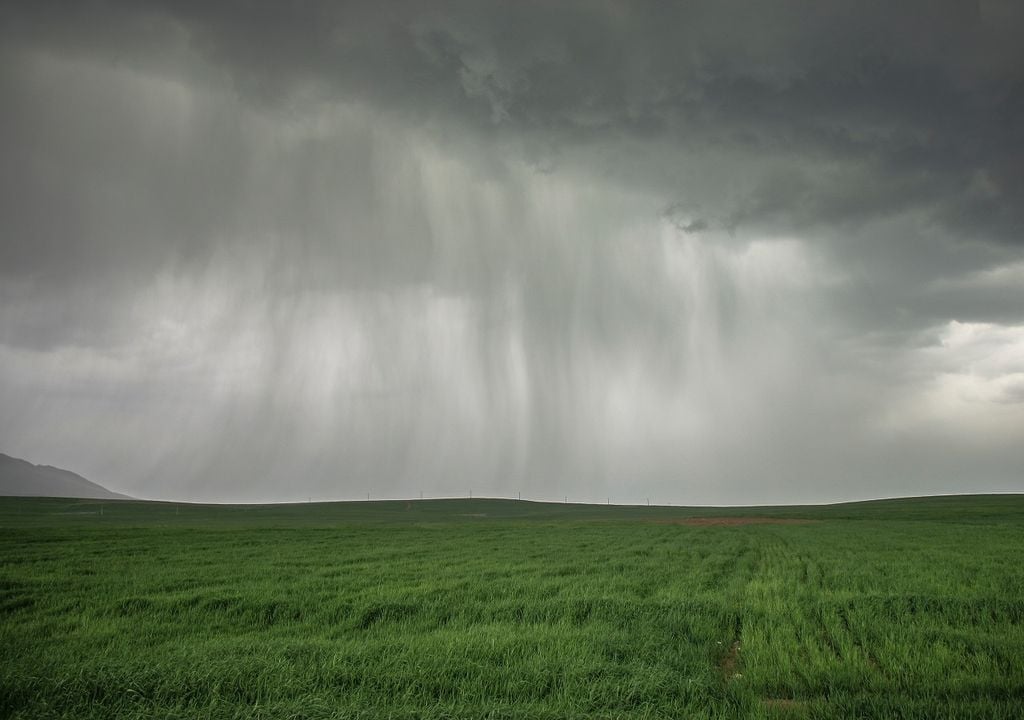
(784,704)
(730,662)
(705,521)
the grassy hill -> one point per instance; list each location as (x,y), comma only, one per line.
(1008,508)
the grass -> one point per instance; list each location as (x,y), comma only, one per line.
(503,609)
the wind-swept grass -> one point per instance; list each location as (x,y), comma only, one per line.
(498,609)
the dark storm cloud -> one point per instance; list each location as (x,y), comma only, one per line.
(622,237)
(850,110)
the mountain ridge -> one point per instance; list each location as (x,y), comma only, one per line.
(22,478)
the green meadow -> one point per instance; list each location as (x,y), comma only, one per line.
(504,609)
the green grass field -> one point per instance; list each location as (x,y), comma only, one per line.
(504,609)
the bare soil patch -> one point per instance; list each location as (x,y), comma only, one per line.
(785,704)
(704,521)
(730,662)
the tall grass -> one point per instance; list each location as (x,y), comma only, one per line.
(295,613)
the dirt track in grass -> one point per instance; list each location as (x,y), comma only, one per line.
(734,521)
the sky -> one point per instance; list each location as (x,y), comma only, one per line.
(710,252)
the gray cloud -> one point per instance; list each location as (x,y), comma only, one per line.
(713,252)
(837,114)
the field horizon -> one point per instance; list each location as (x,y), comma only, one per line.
(502,506)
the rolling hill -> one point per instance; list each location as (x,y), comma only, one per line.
(20,477)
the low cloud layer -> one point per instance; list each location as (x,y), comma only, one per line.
(723,253)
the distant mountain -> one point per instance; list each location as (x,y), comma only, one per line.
(20,477)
